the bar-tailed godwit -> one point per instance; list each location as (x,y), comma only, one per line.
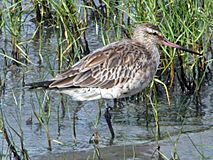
(118,70)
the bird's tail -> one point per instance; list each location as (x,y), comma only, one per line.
(41,84)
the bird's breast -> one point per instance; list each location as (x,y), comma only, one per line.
(143,76)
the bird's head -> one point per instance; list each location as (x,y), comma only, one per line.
(149,34)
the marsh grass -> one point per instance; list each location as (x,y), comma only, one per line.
(188,23)
(43,115)
(9,132)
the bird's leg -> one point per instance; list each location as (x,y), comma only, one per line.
(108,117)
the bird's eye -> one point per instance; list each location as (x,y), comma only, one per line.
(155,33)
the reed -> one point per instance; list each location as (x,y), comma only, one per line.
(8,131)
(43,116)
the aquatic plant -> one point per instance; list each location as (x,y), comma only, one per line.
(56,34)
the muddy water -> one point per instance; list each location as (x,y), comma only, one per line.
(181,128)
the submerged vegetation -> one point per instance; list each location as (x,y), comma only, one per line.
(57,33)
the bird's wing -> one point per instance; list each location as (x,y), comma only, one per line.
(105,67)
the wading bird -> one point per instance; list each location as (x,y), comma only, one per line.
(118,70)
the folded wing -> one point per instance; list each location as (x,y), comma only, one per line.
(106,67)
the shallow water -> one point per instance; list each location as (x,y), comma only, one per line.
(134,127)
(147,151)
(132,134)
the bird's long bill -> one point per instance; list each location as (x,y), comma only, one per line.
(168,43)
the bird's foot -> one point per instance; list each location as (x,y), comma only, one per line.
(108,117)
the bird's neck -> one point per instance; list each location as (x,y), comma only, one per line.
(149,45)
(150,49)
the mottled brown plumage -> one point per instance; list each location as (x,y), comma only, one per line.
(117,70)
